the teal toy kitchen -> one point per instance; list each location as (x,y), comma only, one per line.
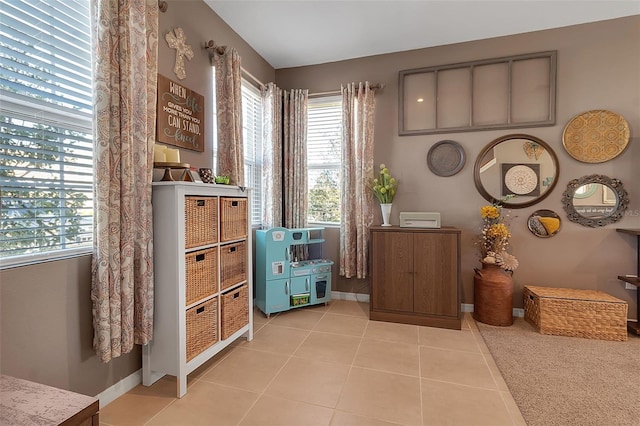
(283,281)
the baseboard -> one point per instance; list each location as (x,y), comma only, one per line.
(468,307)
(110,394)
(354,297)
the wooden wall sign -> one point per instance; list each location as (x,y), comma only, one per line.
(180,116)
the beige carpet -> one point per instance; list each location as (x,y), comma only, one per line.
(558,380)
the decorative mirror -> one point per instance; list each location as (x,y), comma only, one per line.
(595,200)
(519,165)
(544,223)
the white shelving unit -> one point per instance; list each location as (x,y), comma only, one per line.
(167,352)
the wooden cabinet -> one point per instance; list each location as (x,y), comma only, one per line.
(203,293)
(415,276)
(634,327)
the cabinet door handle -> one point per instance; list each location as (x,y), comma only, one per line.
(287,254)
(306,284)
(286,287)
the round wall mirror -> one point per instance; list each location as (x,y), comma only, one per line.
(544,223)
(595,200)
(518,165)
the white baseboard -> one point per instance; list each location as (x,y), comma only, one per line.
(468,307)
(354,297)
(112,393)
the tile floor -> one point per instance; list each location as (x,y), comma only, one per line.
(330,365)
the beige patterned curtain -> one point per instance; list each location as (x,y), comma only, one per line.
(125,42)
(229,112)
(295,163)
(272,156)
(356,214)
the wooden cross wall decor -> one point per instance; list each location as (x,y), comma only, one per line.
(177,40)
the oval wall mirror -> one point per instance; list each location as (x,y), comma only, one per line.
(519,165)
(544,223)
(595,200)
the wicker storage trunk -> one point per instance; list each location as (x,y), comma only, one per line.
(576,313)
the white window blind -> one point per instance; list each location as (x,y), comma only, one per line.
(252,138)
(324,135)
(46,165)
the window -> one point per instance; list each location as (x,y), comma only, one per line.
(46,179)
(252,138)
(324,135)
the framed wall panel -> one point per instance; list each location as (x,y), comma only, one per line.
(500,93)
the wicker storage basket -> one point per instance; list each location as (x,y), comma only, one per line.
(202,327)
(202,279)
(201,221)
(235,310)
(233,218)
(233,264)
(576,313)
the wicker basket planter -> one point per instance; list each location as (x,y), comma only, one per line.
(577,313)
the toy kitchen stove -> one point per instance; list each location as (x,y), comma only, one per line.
(282,283)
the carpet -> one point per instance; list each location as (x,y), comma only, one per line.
(557,380)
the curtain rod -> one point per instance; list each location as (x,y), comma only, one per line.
(213,49)
(377,86)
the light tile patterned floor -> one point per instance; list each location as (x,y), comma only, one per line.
(330,365)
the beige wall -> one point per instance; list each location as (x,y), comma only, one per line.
(45,319)
(46,331)
(598,68)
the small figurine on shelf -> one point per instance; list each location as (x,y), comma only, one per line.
(224,180)
(206,174)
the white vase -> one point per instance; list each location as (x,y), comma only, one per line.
(386,212)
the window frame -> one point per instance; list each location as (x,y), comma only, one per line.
(468,69)
(337,165)
(256,184)
(39,90)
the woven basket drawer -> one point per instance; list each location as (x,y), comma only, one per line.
(576,313)
(201,221)
(233,264)
(202,277)
(202,327)
(235,310)
(233,218)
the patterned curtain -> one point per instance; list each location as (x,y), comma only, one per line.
(229,107)
(125,42)
(356,214)
(272,156)
(295,163)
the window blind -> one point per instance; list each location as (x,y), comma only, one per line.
(252,137)
(324,138)
(46,142)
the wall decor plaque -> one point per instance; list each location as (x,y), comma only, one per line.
(521,179)
(446,158)
(596,136)
(180,115)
